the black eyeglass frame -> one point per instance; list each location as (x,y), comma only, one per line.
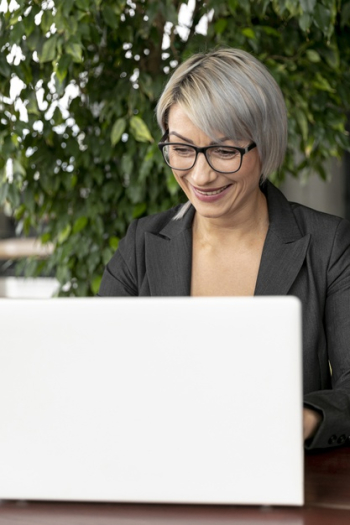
(204,150)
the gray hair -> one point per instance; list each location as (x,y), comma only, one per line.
(230,92)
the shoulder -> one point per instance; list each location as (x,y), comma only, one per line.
(316,222)
(156,222)
(329,237)
(163,224)
(330,234)
(125,271)
(292,216)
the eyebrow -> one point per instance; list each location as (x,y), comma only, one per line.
(191,141)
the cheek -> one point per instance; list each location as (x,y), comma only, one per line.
(180,178)
(255,165)
(250,171)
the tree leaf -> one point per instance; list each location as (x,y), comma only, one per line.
(117,130)
(45,238)
(139,210)
(32,106)
(271,31)
(67,6)
(332,57)
(3,192)
(308,5)
(322,83)
(110,17)
(249,33)
(64,234)
(302,121)
(75,51)
(5,69)
(322,17)
(83,4)
(80,224)
(232,5)
(172,184)
(140,130)
(48,52)
(34,40)
(220,25)
(62,67)
(17,168)
(95,284)
(345,14)
(106,255)
(47,20)
(114,242)
(305,22)
(313,56)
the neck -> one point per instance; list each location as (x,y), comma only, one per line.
(250,219)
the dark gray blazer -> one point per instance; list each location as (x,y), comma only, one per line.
(306,254)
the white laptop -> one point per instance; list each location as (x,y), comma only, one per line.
(159,400)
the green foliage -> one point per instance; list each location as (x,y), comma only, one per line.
(79,171)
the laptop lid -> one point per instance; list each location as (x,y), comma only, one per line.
(178,400)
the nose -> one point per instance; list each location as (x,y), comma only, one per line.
(202,174)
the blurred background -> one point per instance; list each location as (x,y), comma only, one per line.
(79,81)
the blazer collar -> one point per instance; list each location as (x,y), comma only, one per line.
(169,257)
(281,217)
(285,246)
(169,253)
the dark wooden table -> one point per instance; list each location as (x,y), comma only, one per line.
(327,502)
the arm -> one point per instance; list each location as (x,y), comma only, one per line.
(332,428)
(120,275)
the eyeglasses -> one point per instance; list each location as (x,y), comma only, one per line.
(221,158)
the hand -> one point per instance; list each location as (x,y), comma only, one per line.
(311,422)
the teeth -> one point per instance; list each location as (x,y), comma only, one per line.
(212,192)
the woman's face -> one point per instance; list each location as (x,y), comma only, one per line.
(213,194)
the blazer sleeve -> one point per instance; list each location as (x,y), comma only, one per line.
(120,275)
(335,404)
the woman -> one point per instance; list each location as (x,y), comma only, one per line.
(225,130)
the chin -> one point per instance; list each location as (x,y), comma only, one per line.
(209,214)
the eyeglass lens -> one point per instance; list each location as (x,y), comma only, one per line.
(221,158)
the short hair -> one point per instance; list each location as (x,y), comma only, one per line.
(229,91)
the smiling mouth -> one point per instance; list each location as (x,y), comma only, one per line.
(212,192)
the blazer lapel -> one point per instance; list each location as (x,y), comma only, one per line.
(169,258)
(285,247)
(280,265)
